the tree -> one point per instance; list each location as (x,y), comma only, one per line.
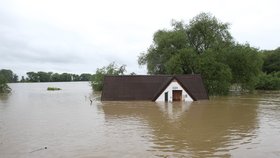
(56,77)
(202,33)
(166,43)
(4,88)
(23,79)
(216,75)
(75,77)
(111,69)
(205,31)
(271,61)
(32,77)
(183,63)
(85,77)
(269,81)
(44,76)
(245,64)
(7,74)
(15,78)
(65,77)
(192,48)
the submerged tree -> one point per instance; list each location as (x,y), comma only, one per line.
(4,88)
(203,46)
(9,75)
(245,63)
(111,69)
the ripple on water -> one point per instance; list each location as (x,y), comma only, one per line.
(65,122)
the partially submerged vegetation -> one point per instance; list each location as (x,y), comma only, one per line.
(111,69)
(53,89)
(205,46)
(4,88)
(269,81)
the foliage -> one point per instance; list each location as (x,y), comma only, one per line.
(166,44)
(216,75)
(9,75)
(66,77)
(44,76)
(55,77)
(111,69)
(269,81)
(32,77)
(245,63)
(4,88)
(183,63)
(205,31)
(85,77)
(271,61)
(203,46)
(53,89)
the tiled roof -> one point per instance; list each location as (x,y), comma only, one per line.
(149,87)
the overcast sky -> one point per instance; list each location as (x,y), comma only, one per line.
(78,36)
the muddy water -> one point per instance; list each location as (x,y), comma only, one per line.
(35,122)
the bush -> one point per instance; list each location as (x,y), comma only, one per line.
(53,89)
(269,82)
(111,69)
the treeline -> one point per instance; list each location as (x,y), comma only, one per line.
(40,76)
(205,46)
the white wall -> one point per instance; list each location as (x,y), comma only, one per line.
(174,85)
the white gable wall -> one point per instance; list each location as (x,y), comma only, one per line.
(174,85)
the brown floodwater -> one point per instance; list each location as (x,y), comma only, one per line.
(36,123)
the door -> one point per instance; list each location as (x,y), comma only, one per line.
(166,96)
(177,95)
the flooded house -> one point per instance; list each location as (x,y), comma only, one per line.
(159,88)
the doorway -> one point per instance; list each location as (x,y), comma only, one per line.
(177,95)
(166,96)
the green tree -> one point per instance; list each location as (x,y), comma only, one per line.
(183,62)
(181,51)
(55,77)
(15,78)
(4,88)
(111,69)
(269,81)
(65,77)
(85,77)
(271,61)
(23,79)
(75,77)
(32,77)
(245,63)
(216,75)
(205,31)
(7,74)
(44,76)
(166,43)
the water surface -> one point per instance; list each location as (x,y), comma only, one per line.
(68,125)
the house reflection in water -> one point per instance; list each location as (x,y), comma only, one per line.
(202,129)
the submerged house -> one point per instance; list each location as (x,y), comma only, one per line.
(166,88)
